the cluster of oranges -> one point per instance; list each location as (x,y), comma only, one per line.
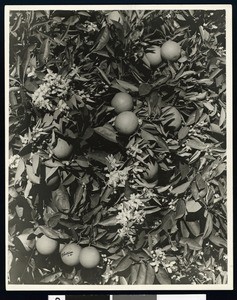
(154,55)
(126,122)
(72,254)
(169,51)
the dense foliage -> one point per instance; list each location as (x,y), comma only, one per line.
(74,177)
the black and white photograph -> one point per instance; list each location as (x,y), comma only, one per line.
(119,147)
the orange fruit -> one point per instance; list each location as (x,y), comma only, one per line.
(151,171)
(171,50)
(126,123)
(89,257)
(46,245)
(171,117)
(153,55)
(122,102)
(114,16)
(70,254)
(63,149)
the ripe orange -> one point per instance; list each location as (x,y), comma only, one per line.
(154,55)
(171,50)
(171,117)
(122,102)
(126,123)
(70,254)
(151,171)
(114,16)
(46,245)
(89,257)
(63,149)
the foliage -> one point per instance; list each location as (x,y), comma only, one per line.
(65,68)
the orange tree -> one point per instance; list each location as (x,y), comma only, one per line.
(75,179)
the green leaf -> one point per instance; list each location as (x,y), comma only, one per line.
(31,86)
(133,274)
(150,275)
(60,198)
(141,240)
(78,197)
(54,220)
(35,162)
(82,162)
(180,209)
(208,226)
(103,38)
(200,182)
(218,241)
(72,20)
(222,117)
(184,230)
(163,147)
(123,265)
(194,190)
(87,217)
(99,156)
(44,50)
(195,157)
(141,277)
(53,163)
(31,175)
(106,194)
(19,171)
(51,233)
(148,136)
(168,221)
(194,227)
(122,280)
(205,81)
(193,206)
(196,144)
(183,132)
(106,133)
(112,221)
(162,276)
(51,278)
(144,89)
(127,86)
(220,169)
(192,243)
(181,188)
(25,63)
(103,75)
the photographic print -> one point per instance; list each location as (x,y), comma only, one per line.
(119,162)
